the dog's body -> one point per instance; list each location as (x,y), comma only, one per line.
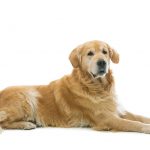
(86,98)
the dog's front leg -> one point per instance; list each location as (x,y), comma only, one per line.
(130,116)
(116,123)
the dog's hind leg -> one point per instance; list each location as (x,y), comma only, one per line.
(14,119)
(11,119)
(19,125)
(3,116)
(10,115)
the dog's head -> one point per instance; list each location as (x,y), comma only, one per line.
(94,57)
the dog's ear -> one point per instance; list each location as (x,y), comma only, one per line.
(74,58)
(114,56)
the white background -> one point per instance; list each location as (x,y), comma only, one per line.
(36,37)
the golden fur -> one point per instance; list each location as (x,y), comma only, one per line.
(76,100)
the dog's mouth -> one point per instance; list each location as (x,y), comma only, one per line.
(100,73)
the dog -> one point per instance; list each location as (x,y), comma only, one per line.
(85,98)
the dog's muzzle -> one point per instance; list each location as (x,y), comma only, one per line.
(101,69)
(101,64)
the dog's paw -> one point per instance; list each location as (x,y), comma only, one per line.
(146,129)
(29,126)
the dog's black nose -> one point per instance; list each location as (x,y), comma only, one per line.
(101,63)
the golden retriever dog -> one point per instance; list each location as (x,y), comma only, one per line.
(85,98)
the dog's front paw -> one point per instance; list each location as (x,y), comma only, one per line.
(146,129)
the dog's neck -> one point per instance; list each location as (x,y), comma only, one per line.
(89,83)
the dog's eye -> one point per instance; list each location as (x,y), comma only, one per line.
(104,51)
(90,53)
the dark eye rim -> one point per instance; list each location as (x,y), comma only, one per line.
(90,53)
(104,52)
